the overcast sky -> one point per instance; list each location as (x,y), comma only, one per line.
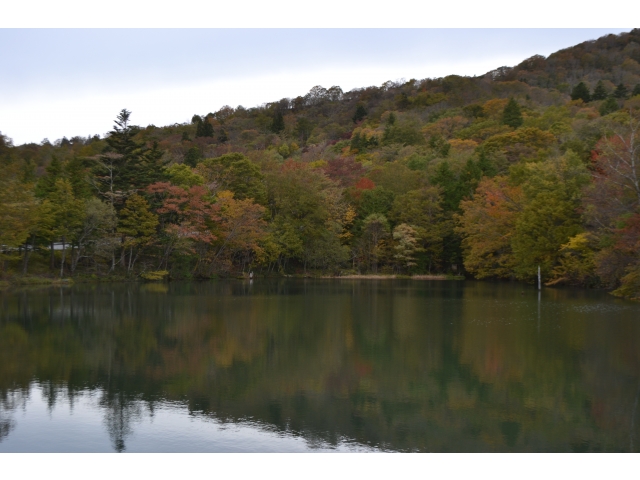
(67,82)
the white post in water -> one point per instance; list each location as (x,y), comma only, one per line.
(539,279)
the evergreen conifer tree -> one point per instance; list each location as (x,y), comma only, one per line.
(636,90)
(512,115)
(208,128)
(485,164)
(46,183)
(599,93)
(621,91)
(192,157)
(200,128)
(581,92)
(278,123)
(76,172)
(360,114)
(608,106)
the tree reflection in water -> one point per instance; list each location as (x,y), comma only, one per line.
(410,366)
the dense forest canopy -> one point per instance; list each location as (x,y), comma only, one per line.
(491,176)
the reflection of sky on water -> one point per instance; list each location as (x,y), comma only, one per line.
(318,365)
(88,422)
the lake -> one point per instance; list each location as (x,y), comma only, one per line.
(292,365)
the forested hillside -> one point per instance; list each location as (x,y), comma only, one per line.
(489,176)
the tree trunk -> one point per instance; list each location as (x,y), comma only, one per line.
(52,265)
(130,258)
(27,252)
(75,255)
(64,252)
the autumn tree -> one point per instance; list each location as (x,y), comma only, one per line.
(95,237)
(375,228)
(422,209)
(234,172)
(612,203)
(406,246)
(240,231)
(306,210)
(487,224)
(187,217)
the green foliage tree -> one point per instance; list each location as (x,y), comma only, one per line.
(307,211)
(404,133)
(621,91)
(550,215)
(46,183)
(77,172)
(278,123)
(192,157)
(95,238)
(17,209)
(439,145)
(581,92)
(376,200)
(136,224)
(448,182)
(375,228)
(600,92)
(610,105)
(361,112)
(204,127)
(636,90)
(512,115)
(66,216)
(182,175)
(234,172)
(422,209)
(303,129)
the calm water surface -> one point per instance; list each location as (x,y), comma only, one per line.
(318,365)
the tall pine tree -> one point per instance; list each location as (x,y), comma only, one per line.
(512,115)
(278,123)
(599,93)
(621,91)
(581,92)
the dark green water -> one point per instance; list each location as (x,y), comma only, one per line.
(338,365)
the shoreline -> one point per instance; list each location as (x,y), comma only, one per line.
(35,280)
(393,277)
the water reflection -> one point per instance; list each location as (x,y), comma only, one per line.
(409,366)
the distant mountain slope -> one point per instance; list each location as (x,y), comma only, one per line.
(612,58)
